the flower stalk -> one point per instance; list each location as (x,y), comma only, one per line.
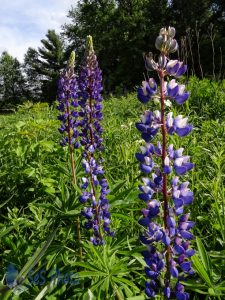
(166,224)
(164,176)
(95,186)
(68,106)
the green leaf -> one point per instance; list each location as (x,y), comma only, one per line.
(116,187)
(86,266)
(204,256)
(35,258)
(42,293)
(89,295)
(141,297)
(199,267)
(4,203)
(84,274)
(10,228)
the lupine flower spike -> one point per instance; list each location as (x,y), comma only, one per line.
(168,253)
(95,186)
(68,103)
(69,116)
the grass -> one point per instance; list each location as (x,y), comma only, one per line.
(39,206)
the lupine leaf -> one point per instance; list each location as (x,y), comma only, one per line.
(88,274)
(204,257)
(199,267)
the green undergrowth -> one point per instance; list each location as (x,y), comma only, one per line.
(39,206)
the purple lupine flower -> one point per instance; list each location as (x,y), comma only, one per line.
(176,92)
(90,115)
(176,68)
(147,90)
(177,125)
(68,103)
(167,228)
(149,125)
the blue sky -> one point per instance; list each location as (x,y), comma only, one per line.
(23,23)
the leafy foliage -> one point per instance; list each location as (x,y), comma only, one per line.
(39,205)
(12,84)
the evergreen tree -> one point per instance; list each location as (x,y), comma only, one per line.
(32,76)
(12,84)
(48,63)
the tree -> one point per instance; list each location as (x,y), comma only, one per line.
(47,63)
(120,32)
(200,24)
(32,76)
(123,29)
(12,83)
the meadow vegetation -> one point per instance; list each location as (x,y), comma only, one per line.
(39,205)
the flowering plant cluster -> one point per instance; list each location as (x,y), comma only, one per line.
(80,104)
(167,226)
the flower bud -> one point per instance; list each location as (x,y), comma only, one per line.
(165,42)
(150,64)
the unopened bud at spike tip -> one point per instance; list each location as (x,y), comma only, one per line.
(89,44)
(71,61)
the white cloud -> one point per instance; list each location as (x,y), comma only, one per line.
(23,23)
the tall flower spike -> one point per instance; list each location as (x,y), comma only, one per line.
(68,104)
(69,114)
(167,227)
(95,186)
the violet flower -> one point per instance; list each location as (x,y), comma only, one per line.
(95,186)
(68,107)
(167,226)
(68,103)
(147,90)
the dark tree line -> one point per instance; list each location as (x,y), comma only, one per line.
(122,30)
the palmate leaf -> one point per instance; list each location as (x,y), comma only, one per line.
(108,271)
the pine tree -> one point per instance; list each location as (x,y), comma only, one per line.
(12,83)
(48,62)
(32,76)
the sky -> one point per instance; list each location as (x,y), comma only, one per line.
(23,23)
